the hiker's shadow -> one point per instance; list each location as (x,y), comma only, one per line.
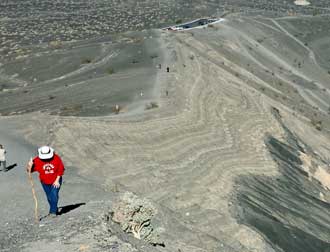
(64,209)
(10,167)
(68,208)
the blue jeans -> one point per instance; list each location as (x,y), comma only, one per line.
(52,196)
(3,164)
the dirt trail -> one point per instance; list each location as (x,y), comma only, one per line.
(77,194)
(15,190)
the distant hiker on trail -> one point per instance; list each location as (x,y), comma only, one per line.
(3,158)
(51,169)
(168,69)
(117,109)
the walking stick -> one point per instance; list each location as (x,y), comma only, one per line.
(36,215)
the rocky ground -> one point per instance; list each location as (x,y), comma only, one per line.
(234,156)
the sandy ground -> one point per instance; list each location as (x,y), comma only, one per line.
(214,126)
(17,209)
(14,189)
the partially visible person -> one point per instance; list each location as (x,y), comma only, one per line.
(2,158)
(51,169)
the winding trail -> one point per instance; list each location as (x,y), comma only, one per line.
(310,52)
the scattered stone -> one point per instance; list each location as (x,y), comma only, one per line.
(302,2)
(152,105)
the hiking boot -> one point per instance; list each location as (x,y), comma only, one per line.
(48,217)
(51,215)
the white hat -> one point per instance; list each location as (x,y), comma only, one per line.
(45,152)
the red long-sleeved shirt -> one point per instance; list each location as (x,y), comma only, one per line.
(48,169)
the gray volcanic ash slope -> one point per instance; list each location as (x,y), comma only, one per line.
(85,78)
(234,157)
(291,210)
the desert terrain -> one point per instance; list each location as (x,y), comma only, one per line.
(226,151)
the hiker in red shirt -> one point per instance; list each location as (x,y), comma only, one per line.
(51,169)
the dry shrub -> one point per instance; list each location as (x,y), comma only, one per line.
(72,109)
(86,61)
(151,105)
(56,44)
(110,70)
(317,124)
